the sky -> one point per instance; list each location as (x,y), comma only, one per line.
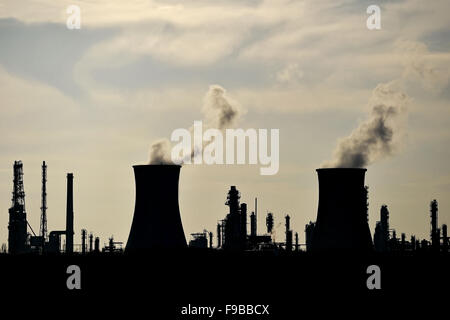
(93,100)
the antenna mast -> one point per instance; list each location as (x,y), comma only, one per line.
(43,227)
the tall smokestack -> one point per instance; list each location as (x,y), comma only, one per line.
(435,234)
(210,240)
(288,233)
(253,225)
(342,212)
(256,210)
(69,214)
(243,222)
(83,241)
(91,240)
(157,220)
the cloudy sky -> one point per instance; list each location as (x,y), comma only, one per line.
(92,101)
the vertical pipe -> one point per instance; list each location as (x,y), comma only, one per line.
(288,223)
(210,240)
(269,223)
(384,225)
(69,214)
(434,223)
(403,243)
(289,241)
(91,238)
(97,244)
(444,238)
(222,232)
(43,226)
(256,216)
(309,230)
(83,241)
(243,222)
(288,234)
(253,225)
(219,236)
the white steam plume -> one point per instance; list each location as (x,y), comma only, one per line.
(421,65)
(219,111)
(160,152)
(379,135)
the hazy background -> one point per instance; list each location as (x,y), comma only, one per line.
(92,101)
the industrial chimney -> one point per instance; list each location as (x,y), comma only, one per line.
(69,214)
(156,220)
(342,212)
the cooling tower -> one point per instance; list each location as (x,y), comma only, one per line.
(156,221)
(342,212)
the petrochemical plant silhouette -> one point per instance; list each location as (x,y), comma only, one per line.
(341,225)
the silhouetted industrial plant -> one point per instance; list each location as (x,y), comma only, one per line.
(20,241)
(342,221)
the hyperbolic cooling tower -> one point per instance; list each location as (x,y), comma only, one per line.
(342,212)
(157,220)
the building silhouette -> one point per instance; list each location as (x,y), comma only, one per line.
(381,234)
(342,222)
(156,220)
(17,227)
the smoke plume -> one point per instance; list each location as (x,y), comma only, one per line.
(420,64)
(378,136)
(219,111)
(160,152)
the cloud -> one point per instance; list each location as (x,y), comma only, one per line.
(283,42)
(197,46)
(291,74)
(285,56)
(419,64)
(24,98)
(46,52)
(300,99)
